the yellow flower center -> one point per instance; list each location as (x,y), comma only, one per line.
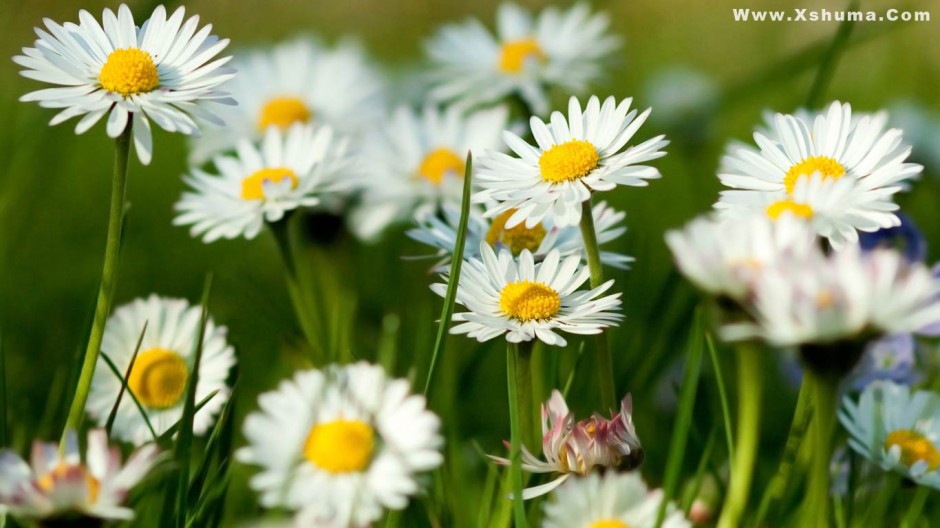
(129,71)
(439,163)
(776,209)
(569,161)
(62,471)
(515,238)
(529,301)
(340,446)
(283,112)
(253,186)
(158,378)
(514,54)
(609,523)
(828,167)
(915,447)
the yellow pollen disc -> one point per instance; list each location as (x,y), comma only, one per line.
(569,161)
(776,209)
(158,378)
(47,482)
(515,238)
(340,446)
(915,447)
(828,167)
(253,186)
(129,71)
(529,301)
(513,55)
(283,112)
(439,163)
(609,523)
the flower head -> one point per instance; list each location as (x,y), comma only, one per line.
(161,71)
(415,161)
(162,368)
(341,445)
(897,429)
(839,171)
(529,54)
(573,158)
(297,81)
(611,500)
(572,447)
(523,300)
(440,232)
(261,183)
(58,484)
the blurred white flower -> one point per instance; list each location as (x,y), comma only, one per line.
(556,48)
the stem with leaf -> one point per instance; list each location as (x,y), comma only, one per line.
(108,279)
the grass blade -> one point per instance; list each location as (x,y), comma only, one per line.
(140,407)
(212,451)
(700,471)
(166,438)
(127,374)
(185,439)
(722,395)
(680,433)
(454,275)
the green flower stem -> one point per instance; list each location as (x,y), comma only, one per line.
(824,390)
(745,451)
(304,308)
(780,482)
(524,389)
(109,273)
(515,451)
(605,366)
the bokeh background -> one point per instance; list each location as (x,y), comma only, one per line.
(708,78)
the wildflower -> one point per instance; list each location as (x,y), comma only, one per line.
(160,71)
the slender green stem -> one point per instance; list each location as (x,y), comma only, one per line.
(779,484)
(524,390)
(824,390)
(722,395)
(750,388)
(108,279)
(453,278)
(515,453)
(827,65)
(310,324)
(605,365)
(916,507)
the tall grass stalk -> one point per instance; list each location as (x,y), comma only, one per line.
(109,274)
(745,456)
(453,278)
(824,389)
(605,365)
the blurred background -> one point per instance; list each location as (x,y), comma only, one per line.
(708,78)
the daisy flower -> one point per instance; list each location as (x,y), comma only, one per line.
(578,448)
(59,485)
(614,500)
(163,364)
(160,71)
(866,162)
(440,232)
(341,445)
(572,159)
(415,161)
(556,48)
(841,297)
(298,81)
(724,257)
(522,300)
(897,429)
(263,182)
